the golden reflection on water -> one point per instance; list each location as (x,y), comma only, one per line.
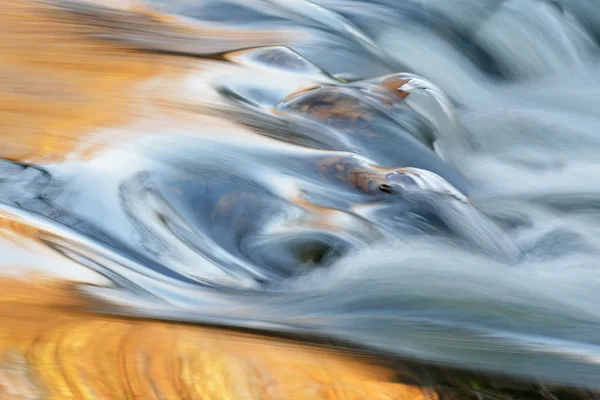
(48,350)
(58,86)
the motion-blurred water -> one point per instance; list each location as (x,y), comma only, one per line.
(259,218)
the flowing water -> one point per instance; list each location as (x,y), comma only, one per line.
(302,167)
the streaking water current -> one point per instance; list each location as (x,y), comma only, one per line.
(325,193)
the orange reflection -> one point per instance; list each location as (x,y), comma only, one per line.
(47,351)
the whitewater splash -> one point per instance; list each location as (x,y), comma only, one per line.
(274,217)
